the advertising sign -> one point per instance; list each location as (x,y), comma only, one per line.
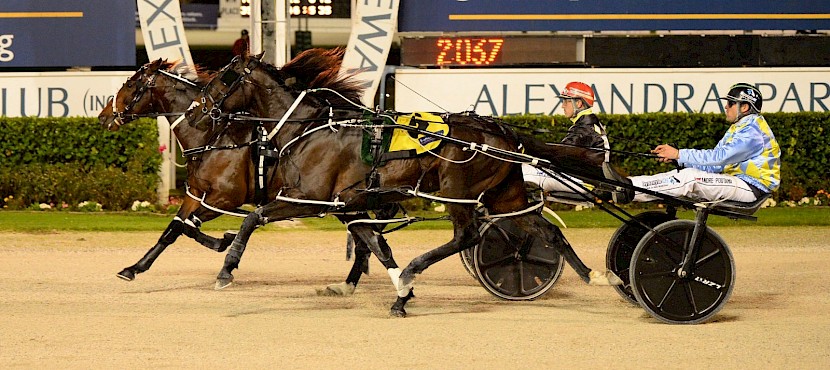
(373,26)
(163,30)
(502,92)
(58,94)
(604,15)
(66,33)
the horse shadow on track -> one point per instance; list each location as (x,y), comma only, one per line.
(176,288)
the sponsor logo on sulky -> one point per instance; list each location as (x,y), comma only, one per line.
(708,282)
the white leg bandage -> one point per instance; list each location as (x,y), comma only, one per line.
(395,274)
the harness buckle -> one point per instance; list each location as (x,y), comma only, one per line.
(215,113)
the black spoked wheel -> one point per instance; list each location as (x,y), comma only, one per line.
(623,243)
(514,265)
(689,299)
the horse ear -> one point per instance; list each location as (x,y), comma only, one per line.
(156,64)
(259,56)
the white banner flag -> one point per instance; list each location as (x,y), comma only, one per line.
(374,23)
(163,31)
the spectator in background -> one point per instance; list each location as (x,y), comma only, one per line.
(241,45)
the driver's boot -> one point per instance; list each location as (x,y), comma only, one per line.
(623,189)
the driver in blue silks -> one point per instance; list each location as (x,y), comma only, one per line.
(744,166)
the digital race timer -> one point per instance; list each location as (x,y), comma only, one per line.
(464,51)
(488,51)
(321,8)
(310,8)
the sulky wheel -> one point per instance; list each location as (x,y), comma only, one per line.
(622,244)
(673,299)
(467,260)
(514,265)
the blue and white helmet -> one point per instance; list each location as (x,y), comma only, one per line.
(745,93)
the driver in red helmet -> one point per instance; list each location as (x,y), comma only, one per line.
(586,134)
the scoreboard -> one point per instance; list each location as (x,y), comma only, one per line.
(321,8)
(490,51)
(310,8)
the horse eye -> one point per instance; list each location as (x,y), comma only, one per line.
(130,83)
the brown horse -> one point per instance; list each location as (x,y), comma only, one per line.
(219,180)
(321,169)
(164,88)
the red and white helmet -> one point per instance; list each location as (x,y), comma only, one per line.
(578,90)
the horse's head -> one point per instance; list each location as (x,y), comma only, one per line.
(131,98)
(251,85)
(157,87)
(230,90)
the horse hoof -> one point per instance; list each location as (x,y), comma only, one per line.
(222,284)
(604,278)
(397,312)
(341,289)
(126,274)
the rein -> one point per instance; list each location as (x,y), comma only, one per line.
(616,151)
(208,147)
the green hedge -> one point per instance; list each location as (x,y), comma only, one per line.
(805,149)
(70,160)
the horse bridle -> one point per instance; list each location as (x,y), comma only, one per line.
(124,116)
(229,78)
(121,117)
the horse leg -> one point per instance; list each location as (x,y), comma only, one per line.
(378,245)
(275,211)
(174,229)
(189,227)
(362,251)
(251,222)
(465,236)
(360,267)
(191,230)
(554,237)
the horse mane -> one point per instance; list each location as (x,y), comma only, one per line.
(193,73)
(320,68)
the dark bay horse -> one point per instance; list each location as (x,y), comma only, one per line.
(321,169)
(162,88)
(221,179)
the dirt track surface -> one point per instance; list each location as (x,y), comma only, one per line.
(62,305)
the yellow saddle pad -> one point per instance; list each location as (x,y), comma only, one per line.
(410,140)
